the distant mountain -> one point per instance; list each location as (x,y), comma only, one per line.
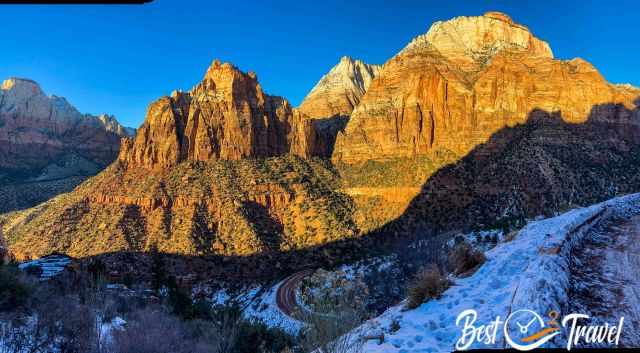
(44,139)
(340,90)
(333,98)
(472,125)
(220,169)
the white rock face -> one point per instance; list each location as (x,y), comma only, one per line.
(340,90)
(24,99)
(469,40)
(111,124)
(37,130)
(21,86)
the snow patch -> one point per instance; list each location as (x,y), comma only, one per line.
(529,272)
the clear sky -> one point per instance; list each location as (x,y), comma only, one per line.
(117,59)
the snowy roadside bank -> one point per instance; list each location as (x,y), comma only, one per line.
(529,272)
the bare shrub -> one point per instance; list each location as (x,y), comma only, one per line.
(428,284)
(331,324)
(149,331)
(15,288)
(56,324)
(14,337)
(70,325)
(154,330)
(463,259)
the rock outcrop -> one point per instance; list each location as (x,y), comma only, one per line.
(226,116)
(465,79)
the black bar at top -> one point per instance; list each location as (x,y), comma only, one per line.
(74,2)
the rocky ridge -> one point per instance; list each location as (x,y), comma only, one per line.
(36,129)
(473,124)
(332,99)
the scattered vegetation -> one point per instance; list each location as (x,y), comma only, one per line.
(76,313)
(14,288)
(335,311)
(395,326)
(394,172)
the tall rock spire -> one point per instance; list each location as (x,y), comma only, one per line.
(226,116)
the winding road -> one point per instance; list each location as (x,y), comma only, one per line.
(286,293)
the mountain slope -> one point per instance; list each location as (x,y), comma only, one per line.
(211,171)
(47,146)
(451,92)
(457,131)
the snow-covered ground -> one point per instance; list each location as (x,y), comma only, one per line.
(259,304)
(50,265)
(610,255)
(530,272)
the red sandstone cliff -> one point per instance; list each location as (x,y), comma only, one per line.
(226,116)
(455,86)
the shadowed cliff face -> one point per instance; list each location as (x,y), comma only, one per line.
(543,166)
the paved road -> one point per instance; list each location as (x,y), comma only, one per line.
(286,294)
(605,281)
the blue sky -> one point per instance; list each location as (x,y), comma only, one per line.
(117,59)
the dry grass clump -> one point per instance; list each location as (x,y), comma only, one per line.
(429,284)
(511,235)
(463,259)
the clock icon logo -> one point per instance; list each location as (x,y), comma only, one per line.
(526,330)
